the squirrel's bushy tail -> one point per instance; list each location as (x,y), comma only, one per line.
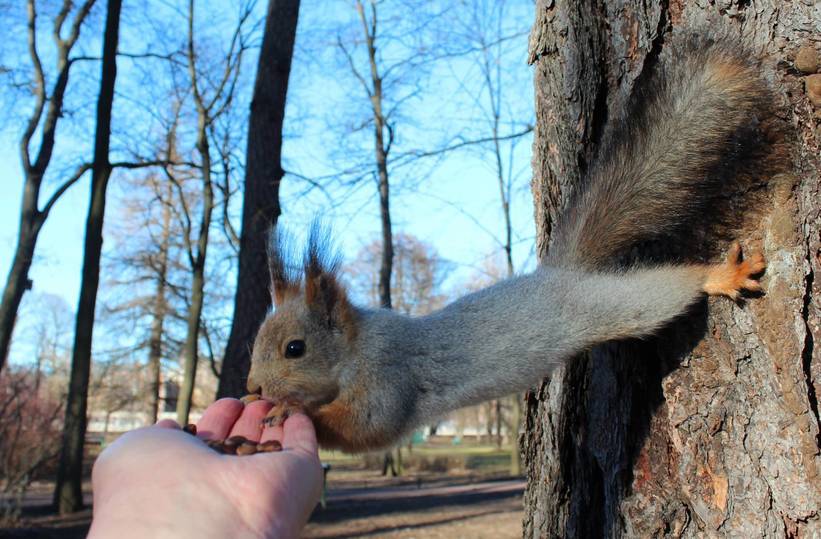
(690,128)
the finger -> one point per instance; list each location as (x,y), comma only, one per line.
(249,423)
(167,424)
(298,433)
(218,419)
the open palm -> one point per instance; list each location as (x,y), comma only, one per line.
(160,480)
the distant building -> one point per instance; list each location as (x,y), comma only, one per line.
(112,415)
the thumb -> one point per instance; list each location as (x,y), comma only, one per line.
(298,433)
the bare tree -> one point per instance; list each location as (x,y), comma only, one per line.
(713,428)
(212,97)
(146,276)
(263,173)
(41,124)
(159,308)
(68,496)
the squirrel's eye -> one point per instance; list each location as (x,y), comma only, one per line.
(295,349)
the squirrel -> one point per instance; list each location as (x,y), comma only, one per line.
(367,377)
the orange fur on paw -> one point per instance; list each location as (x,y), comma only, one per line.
(734,275)
(280,412)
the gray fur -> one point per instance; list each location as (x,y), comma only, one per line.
(486,344)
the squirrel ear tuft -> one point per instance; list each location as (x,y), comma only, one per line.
(323,291)
(284,276)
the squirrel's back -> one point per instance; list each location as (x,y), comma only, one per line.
(689,129)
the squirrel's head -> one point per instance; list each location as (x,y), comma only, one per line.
(300,346)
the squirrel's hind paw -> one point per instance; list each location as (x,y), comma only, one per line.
(734,275)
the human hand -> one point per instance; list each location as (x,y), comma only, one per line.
(159,481)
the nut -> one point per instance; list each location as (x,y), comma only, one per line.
(228,449)
(806,60)
(270,446)
(812,84)
(247,448)
(249,398)
(190,428)
(235,440)
(216,445)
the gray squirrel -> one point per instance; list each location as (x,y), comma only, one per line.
(367,377)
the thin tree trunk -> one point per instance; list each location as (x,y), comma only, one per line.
(497,408)
(17,282)
(190,350)
(263,173)
(713,428)
(157,323)
(196,253)
(68,495)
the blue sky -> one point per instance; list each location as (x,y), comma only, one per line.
(451,205)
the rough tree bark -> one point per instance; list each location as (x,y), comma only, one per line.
(260,209)
(713,429)
(68,496)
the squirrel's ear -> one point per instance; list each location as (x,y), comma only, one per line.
(284,280)
(323,291)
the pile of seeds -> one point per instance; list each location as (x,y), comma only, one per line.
(237,445)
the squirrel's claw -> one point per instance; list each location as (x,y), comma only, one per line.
(734,275)
(277,415)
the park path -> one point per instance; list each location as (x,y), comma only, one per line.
(491,509)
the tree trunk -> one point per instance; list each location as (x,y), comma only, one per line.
(497,411)
(197,257)
(515,445)
(260,209)
(713,428)
(68,496)
(155,340)
(198,252)
(190,350)
(18,281)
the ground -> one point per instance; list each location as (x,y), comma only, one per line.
(471,497)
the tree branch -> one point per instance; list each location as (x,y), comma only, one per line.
(418,154)
(352,64)
(76,24)
(39,89)
(82,169)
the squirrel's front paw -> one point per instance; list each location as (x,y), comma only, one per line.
(734,275)
(280,412)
